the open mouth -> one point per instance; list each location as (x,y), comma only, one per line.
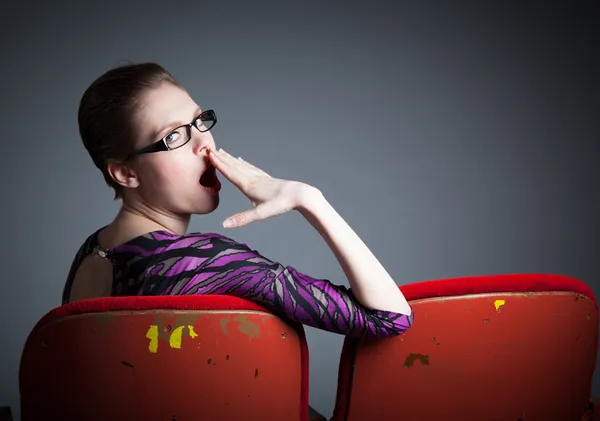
(209,180)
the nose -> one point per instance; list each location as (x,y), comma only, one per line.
(201,142)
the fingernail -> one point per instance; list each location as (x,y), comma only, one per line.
(227,223)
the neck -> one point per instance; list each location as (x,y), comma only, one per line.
(142,218)
(135,219)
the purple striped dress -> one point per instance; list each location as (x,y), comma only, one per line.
(162,263)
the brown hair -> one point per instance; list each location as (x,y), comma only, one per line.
(108,108)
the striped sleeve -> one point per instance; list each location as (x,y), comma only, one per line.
(223,266)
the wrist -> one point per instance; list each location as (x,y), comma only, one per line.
(309,199)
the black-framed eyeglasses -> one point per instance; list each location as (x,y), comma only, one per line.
(181,135)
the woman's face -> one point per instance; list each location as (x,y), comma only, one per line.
(169,181)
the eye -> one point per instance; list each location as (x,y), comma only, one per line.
(172,137)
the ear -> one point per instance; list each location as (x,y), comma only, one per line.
(123,174)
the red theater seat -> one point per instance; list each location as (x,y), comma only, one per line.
(493,348)
(164,359)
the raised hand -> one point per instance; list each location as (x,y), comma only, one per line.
(269,196)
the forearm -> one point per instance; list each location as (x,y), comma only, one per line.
(372,286)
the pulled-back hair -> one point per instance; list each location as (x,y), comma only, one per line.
(108,112)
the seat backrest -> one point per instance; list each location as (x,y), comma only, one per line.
(164,359)
(494,348)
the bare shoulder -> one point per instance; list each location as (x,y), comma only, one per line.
(93,279)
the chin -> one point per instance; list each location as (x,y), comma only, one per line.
(206,207)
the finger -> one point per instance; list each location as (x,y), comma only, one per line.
(249,165)
(219,164)
(241,219)
(219,157)
(213,156)
(231,172)
(226,157)
(262,211)
(229,160)
(252,168)
(239,163)
(216,155)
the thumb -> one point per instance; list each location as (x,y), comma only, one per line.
(262,211)
(241,219)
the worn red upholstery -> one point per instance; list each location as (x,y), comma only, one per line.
(164,359)
(502,348)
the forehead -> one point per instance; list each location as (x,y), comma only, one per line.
(164,105)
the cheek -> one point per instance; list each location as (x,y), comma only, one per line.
(168,173)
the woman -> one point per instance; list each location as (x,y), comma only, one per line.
(154,147)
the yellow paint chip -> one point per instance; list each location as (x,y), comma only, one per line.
(191,330)
(498,304)
(175,338)
(152,334)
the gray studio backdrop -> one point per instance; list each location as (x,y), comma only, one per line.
(455,140)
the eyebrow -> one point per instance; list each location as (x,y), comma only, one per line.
(166,129)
